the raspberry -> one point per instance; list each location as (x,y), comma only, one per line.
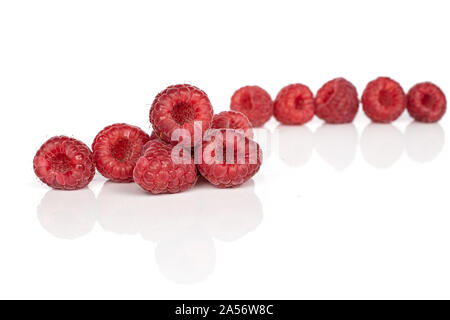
(229,158)
(153,136)
(64,163)
(116,150)
(383,100)
(177,107)
(233,120)
(157,172)
(294,104)
(426,102)
(337,101)
(254,102)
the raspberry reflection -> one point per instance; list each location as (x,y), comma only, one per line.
(424,141)
(182,225)
(381,145)
(68,214)
(336,144)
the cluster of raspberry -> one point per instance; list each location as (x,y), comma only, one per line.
(182,117)
(337,102)
(187,140)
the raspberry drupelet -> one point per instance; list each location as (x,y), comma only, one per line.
(64,163)
(116,149)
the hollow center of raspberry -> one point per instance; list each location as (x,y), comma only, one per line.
(121,150)
(427,101)
(183,113)
(299,102)
(61,163)
(386,98)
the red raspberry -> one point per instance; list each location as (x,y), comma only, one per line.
(294,104)
(64,163)
(153,136)
(229,158)
(337,101)
(177,107)
(254,102)
(383,100)
(158,172)
(116,150)
(233,120)
(426,102)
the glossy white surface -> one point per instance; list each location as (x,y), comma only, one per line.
(345,211)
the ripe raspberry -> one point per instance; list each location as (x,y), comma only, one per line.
(157,172)
(116,150)
(294,104)
(426,102)
(233,120)
(254,102)
(64,163)
(153,136)
(177,107)
(383,100)
(229,158)
(337,101)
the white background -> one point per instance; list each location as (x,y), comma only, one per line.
(351,211)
